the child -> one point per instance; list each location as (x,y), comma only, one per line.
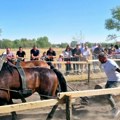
(44,56)
(60,59)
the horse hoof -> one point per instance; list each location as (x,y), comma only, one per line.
(49,117)
(14,118)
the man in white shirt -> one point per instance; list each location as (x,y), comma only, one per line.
(112,71)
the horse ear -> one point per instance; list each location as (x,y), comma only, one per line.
(3,56)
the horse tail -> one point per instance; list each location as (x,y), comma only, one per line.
(61,80)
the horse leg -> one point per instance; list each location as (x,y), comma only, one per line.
(50,115)
(22,98)
(14,115)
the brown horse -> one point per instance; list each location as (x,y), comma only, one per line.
(44,81)
(33,63)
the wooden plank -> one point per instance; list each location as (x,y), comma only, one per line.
(28,105)
(75,94)
(71,62)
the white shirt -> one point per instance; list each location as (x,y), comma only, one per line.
(110,69)
(67,54)
(86,53)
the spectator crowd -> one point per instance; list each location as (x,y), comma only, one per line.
(81,52)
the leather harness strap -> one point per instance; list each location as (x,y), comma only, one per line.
(22,75)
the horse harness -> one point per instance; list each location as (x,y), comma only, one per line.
(24,90)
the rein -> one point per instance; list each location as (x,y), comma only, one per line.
(9,90)
(47,96)
(4,89)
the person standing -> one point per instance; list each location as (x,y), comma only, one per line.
(67,55)
(20,54)
(10,55)
(34,53)
(86,56)
(44,56)
(76,52)
(51,55)
(112,71)
(60,59)
(96,52)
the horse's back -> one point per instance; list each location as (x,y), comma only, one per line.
(34,63)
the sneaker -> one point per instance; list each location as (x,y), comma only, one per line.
(115,112)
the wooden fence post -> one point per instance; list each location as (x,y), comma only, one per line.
(88,72)
(68,101)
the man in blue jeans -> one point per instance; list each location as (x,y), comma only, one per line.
(112,71)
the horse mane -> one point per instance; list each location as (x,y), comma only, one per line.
(8,67)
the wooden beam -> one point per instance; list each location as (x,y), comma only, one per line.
(75,94)
(28,105)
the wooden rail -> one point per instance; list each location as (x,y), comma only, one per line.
(75,94)
(28,105)
(51,102)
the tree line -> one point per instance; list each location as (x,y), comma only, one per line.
(41,42)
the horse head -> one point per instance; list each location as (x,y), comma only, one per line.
(3,58)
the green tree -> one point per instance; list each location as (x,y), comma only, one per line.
(7,43)
(16,43)
(73,43)
(63,45)
(114,22)
(43,42)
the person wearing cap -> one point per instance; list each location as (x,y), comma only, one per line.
(112,71)
(96,52)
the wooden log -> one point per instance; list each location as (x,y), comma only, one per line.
(102,98)
(100,85)
(83,93)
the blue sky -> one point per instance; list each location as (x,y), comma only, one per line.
(59,20)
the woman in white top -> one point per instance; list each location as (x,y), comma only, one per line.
(112,71)
(86,56)
(67,54)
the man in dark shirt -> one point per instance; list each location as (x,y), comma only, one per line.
(35,53)
(20,54)
(51,54)
(76,52)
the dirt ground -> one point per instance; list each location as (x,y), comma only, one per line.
(95,110)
